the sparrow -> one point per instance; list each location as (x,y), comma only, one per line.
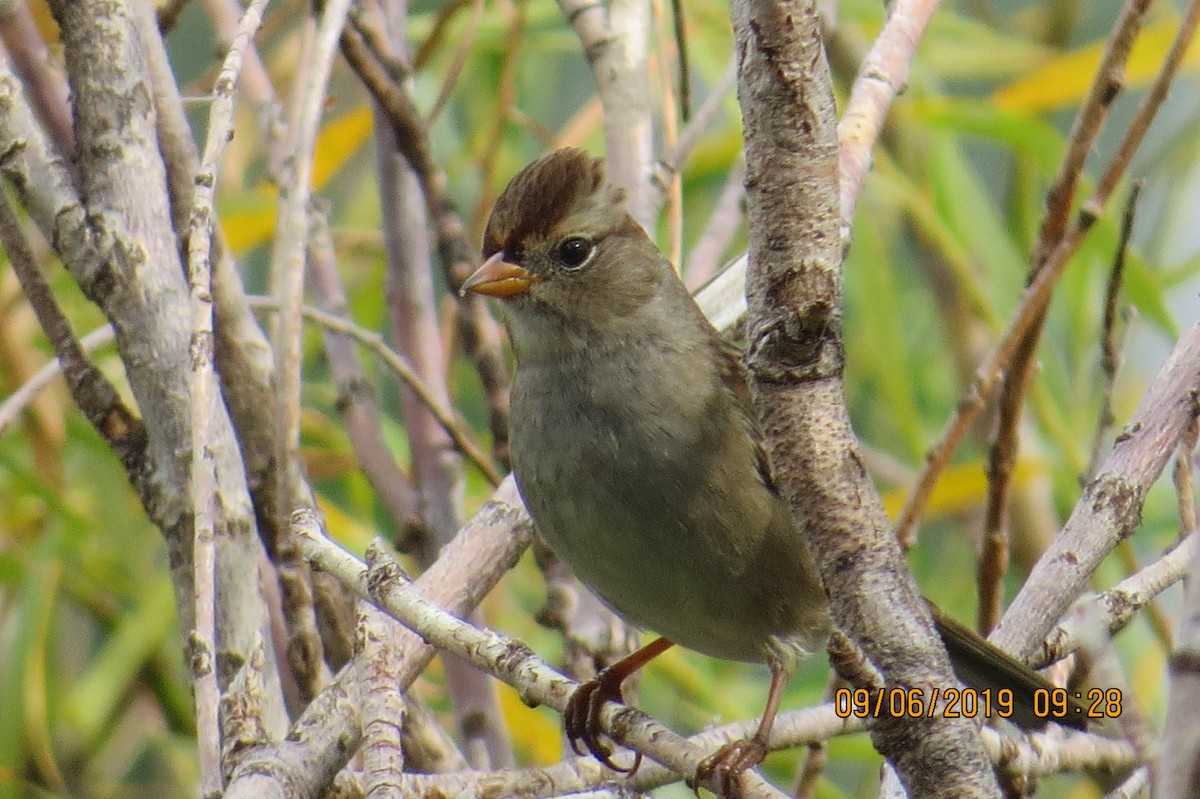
(639,457)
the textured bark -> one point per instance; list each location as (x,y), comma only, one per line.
(796,361)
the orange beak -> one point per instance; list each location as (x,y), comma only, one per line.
(498,278)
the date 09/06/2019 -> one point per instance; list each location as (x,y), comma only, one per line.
(1050,704)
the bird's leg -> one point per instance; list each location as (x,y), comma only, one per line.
(725,766)
(582,715)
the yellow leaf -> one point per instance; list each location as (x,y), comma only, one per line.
(253,222)
(347,531)
(535,733)
(961,488)
(338,142)
(1063,80)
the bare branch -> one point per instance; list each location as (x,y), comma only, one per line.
(795,356)
(204,397)
(510,660)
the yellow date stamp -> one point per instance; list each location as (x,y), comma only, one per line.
(1050,704)
(951,703)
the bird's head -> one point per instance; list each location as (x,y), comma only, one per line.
(560,243)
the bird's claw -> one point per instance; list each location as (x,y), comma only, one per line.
(723,768)
(581,719)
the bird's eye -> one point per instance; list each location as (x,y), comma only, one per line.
(574,252)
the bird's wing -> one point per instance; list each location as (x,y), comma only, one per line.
(733,375)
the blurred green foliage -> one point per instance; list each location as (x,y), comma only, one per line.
(93,694)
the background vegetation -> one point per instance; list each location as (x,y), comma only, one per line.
(94,692)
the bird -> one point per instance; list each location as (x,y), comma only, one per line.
(637,453)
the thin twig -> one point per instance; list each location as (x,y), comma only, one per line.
(457,429)
(45,85)
(23,396)
(506,102)
(1110,336)
(1002,453)
(509,660)
(327,733)
(202,639)
(465,41)
(1037,294)
(1182,478)
(679,28)
(882,75)
(668,168)
(441,24)
(477,330)
(355,398)
(670,133)
(723,224)
(437,468)
(287,256)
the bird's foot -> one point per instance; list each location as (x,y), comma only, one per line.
(723,769)
(582,718)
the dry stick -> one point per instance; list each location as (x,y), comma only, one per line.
(1177,774)
(458,430)
(437,34)
(1114,608)
(1037,294)
(242,712)
(386,586)
(287,254)
(1110,359)
(679,29)
(1002,452)
(93,393)
(1110,337)
(256,85)
(1133,786)
(202,640)
(376,40)
(1182,478)
(429,748)
(287,271)
(883,74)
(817,754)
(245,370)
(1035,755)
(372,452)
(1110,507)
(796,364)
(477,330)
(120,245)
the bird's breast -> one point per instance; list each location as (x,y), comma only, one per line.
(648,489)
